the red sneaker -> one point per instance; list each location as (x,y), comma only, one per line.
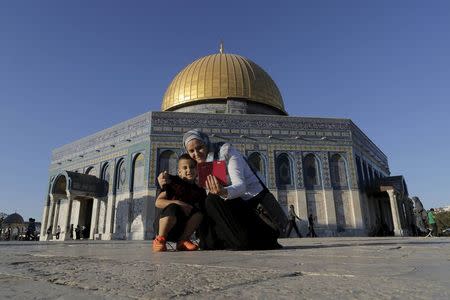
(186,246)
(159,244)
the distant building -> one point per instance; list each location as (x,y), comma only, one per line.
(323,166)
(14,228)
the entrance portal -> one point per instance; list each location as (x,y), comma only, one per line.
(84,220)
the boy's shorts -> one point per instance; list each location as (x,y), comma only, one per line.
(174,210)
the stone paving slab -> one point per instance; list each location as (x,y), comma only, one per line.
(324,268)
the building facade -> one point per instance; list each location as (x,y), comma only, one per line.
(327,167)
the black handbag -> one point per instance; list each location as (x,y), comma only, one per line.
(269,210)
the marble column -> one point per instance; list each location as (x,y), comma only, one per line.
(330,209)
(94,218)
(302,205)
(45,215)
(398,231)
(66,226)
(56,216)
(50,217)
(110,211)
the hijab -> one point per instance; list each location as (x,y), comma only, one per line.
(196,134)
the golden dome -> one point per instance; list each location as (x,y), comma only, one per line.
(222,76)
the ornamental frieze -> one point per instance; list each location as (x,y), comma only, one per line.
(118,133)
(245,121)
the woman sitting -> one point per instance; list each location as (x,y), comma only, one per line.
(230,220)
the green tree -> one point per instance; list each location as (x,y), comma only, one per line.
(443,220)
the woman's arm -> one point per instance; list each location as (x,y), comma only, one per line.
(235,167)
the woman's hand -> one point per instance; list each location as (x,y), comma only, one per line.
(214,187)
(163,178)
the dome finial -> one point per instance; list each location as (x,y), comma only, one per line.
(221,47)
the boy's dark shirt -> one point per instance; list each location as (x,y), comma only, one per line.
(179,189)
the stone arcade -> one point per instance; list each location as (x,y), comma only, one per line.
(323,166)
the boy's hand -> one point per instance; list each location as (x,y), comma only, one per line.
(163,178)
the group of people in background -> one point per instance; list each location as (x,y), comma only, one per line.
(293,224)
(77,232)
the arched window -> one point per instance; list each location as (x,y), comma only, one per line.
(370,174)
(258,165)
(338,172)
(138,172)
(283,170)
(121,175)
(106,174)
(377,174)
(366,174)
(60,185)
(311,169)
(168,162)
(360,172)
(90,171)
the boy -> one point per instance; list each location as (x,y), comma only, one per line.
(179,203)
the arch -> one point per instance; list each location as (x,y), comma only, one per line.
(102,210)
(365,172)
(312,172)
(258,163)
(359,171)
(370,170)
(106,174)
(121,175)
(338,172)
(167,161)
(377,175)
(60,184)
(283,168)
(77,184)
(137,180)
(90,171)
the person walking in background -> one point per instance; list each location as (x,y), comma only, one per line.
(77,232)
(58,232)
(49,232)
(71,231)
(311,232)
(292,223)
(432,222)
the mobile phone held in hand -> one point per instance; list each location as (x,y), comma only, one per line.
(217,168)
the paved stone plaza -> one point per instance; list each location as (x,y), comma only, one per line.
(370,268)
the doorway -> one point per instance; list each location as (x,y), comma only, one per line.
(84,220)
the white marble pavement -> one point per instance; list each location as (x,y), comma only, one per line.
(323,268)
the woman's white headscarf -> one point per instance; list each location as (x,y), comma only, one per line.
(196,134)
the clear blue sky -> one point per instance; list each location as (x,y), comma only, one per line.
(71,68)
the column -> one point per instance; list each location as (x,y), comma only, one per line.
(110,208)
(330,209)
(65,228)
(302,205)
(395,213)
(94,218)
(358,213)
(45,216)
(50,218)
(56,216)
